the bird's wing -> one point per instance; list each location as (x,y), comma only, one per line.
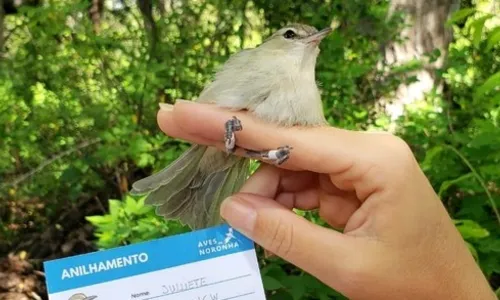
(242,82)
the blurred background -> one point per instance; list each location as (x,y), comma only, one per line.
(80,83)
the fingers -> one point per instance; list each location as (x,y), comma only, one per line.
(280,231)
(206,121)
(304,200)
(325,254)
(337,210)
(362,162)
(304,192)
(167,123)
(290,189)
(267,181)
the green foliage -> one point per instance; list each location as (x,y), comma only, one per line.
(456,135)
(78,110)
(130,221)
(71,86)
(294,285)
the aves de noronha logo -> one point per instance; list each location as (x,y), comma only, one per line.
(215,245)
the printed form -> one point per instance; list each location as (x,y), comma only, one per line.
(217,263)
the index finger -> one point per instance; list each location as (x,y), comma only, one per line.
(318,149)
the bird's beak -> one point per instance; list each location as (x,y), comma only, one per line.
(318,36)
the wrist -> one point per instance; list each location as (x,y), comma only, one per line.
(462,278)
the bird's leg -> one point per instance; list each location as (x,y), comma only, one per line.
(277,156)
(232,126)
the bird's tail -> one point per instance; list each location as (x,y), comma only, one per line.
(192,188)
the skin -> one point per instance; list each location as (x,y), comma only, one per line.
(397,240)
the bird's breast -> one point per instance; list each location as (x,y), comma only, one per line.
(275,86)
(292,100)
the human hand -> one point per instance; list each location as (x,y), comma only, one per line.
(397,240)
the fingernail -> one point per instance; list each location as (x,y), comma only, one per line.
(239,214)
(166,107)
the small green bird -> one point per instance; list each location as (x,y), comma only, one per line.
(274,81)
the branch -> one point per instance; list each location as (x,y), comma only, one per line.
(46,163)
(146,8)
(479,179)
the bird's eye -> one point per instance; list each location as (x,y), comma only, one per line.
(289,34)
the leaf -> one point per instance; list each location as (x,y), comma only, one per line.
(136,207)
(114,207)
(139,145)
(490,244)
(145,159)
(446,184)
(489,85)
(460,15)
(280,295)
(493,38)
(143,210)
(271,283)
(430,155)
(131,205)
(273,270)
(98,220)
(470,229)
(71,174)
(478,26)
(412,65)
(295,287)
(473,250)
(434,55)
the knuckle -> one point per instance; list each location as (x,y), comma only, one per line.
(333,218)
(398,151)
(400,146)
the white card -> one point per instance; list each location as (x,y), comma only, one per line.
(216,263)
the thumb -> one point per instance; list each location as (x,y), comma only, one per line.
(317,250)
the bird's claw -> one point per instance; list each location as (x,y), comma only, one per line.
(231,126)
(277,156)
(283,154)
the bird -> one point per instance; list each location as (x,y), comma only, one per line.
(81,296)
(275,82)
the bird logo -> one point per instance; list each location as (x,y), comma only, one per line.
(81,296)
(229,236)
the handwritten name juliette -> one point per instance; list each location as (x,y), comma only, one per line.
(184,286)
(106,265)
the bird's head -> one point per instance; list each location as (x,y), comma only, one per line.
(297,40)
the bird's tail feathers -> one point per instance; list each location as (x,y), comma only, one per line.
(177,172)
(186,192)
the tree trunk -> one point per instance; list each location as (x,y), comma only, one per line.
(146,8)
(427,32)
(95,12)
(162,7)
